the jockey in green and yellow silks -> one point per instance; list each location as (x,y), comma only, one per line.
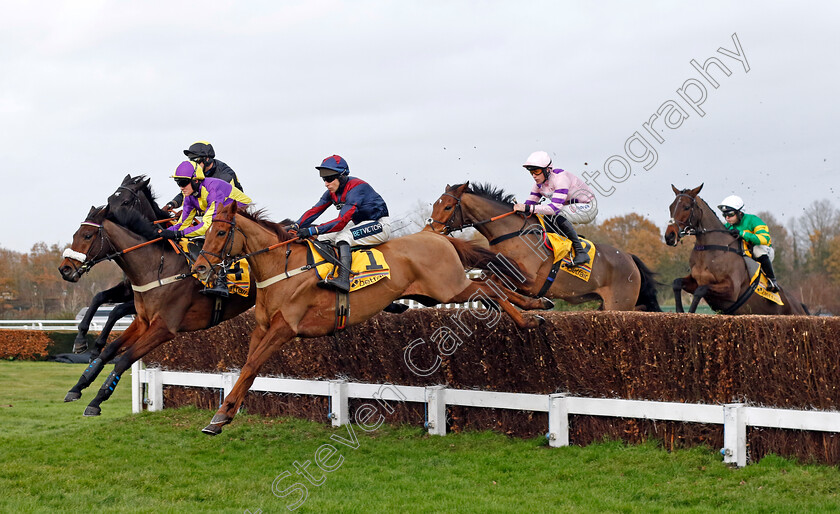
(202,199)
(755,234)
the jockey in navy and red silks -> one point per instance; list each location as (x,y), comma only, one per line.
(202,198)
(362,217)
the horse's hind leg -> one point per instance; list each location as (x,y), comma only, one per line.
(478,291)
(262,346)
(113,294)
(134,331)
(157,333)
(677,286)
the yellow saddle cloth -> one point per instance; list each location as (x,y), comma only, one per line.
(238,276)
(562,247)
(761,289)
(368,267)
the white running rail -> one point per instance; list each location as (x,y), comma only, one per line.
(735,417)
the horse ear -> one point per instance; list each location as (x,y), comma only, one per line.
(696,190)
(146,182)
(676,191)
(127,179)
(448,187)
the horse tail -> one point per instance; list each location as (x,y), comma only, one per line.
(647,292)
(474,256)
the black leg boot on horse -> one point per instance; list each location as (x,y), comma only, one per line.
(342,282)
(565,227)
(767,268)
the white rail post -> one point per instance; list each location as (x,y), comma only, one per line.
(436,402)
(340,414)
(558,420)
(155,377)
(228,381)
(137,377)
(734,434)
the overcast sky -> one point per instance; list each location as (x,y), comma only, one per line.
(415,95)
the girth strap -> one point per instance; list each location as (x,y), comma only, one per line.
(158,283)
(549,280)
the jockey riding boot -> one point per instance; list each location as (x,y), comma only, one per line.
(566,228)
(767,268)
(220,286)
(342,282)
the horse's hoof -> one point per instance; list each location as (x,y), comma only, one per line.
(72,396)
(540,320)
(547,304)
(220,419)
(80,347)
(91,410)
(212,429)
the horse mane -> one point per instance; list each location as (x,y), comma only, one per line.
(260,217)
(135,222)
(146,190)
(490,192)
(714,212)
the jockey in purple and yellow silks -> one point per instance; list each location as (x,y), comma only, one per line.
(569,201)
(202,198)
(362,217)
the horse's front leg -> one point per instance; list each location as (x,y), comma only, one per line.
(80,343)
(699,293)
(157,333)
(262,346)
(134,331)
(120,311)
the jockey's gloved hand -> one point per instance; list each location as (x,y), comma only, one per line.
(735,232)
(172,234)
(307,232)
(294,227)
(169,207)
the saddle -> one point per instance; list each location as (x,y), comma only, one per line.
(368,263)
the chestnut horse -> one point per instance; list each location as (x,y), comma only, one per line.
(290,304)
(718,270)
(168,300)
(619,280)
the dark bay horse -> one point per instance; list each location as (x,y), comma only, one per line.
(619,280)
(289,303)
(168,300)
(133,193)
(718,270)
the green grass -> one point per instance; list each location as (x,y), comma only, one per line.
(53,459)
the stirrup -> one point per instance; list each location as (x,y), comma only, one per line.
(337,284)
(772,286)
(580,258)
(219,288)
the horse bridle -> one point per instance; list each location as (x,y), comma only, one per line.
(448,224)
(224,253)
(687,227)
(87,263)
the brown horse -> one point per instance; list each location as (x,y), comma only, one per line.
(290,304)
(620,281)
(718,270)
(168,300)
(133,193)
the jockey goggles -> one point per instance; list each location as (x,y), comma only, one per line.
(182,182)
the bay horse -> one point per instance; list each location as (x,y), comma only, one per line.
(168,300)
(718,270)
(619,280)
(133,193)
(423,266)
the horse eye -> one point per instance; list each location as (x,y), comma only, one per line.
(220,233)
(448,208)
(88,236)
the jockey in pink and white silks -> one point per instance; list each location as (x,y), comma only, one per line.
(569,200)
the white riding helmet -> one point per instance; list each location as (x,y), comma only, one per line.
(731,203)
(538,160)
